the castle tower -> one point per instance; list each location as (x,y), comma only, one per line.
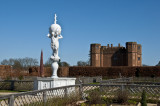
(131,53)
(139,55)
(95,54)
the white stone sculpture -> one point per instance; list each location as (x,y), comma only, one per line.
(54,81)
(55,35)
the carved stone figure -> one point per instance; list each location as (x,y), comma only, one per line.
(55,35)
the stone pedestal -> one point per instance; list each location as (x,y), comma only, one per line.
(44,83)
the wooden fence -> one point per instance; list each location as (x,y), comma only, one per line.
(134,91)
(38,97)
(110,91)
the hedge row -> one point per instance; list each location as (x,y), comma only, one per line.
(62,71)
(115,71)
(5,71)
(100,71)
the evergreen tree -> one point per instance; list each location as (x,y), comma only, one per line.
(143,99)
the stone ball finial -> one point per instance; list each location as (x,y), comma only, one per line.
(56,29)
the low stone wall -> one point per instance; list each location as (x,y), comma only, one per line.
(16,85)
(87,80)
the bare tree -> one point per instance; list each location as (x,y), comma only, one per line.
(8,62)
(48,63)
(20,63)
(83,63)
(63,64)
(5,62)
(17,65)
(158,64)
(29,62)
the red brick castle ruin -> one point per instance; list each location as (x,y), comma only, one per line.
(106,56)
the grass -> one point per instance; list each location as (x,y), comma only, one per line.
(138,79)
(10,91)
(95,83)
(111,101)
(85,104)
(146,79)
(132,102)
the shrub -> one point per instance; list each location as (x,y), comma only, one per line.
(132,102)
(143,99)
(152,76)
(94,97)
(106,100)
(20,77)
(122,96)
(137,73)
(70,100)
(8,78)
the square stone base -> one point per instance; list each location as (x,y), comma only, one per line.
(45,83)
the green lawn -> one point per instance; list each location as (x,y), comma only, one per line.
(8,91)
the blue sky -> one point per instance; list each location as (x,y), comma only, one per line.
(24,25)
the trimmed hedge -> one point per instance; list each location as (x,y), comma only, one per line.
(147,71)
(62,71)
(5,71)
(114,71)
